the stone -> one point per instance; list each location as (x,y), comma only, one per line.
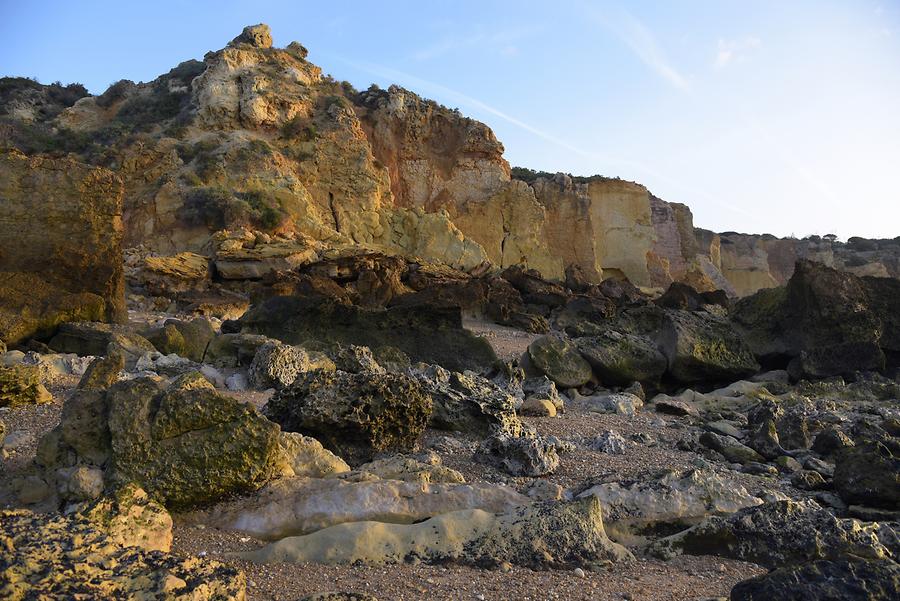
(410,469)
(663,403)
(237,382)
(187,339)
(81,483)
(821,317)
(609,442)
(467,402)
(635,509)
(427,334)
(868,475)
(93,554)
(775,535)
(846,579)
(701,347)
(620,403)
(817,465)
(621,358)
(560,361)
(364,413)
(277,365)
(730,448)
(543,535)
(305,456)
(169,441)
(787,464)
(543,389)
(102,373)
(257,36)
(831,441)
(98,339)
(808,480)
(538,408)
(296,506)
(519,455)
(724,428)
(61,231)
(173,275)
(21,385)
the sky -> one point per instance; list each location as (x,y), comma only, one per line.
(763,116)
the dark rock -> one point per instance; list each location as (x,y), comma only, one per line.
(621,358)
(868,475)
(362,413)
(830,441)
(525,455)
(187,339)
(560,361)
(844,580)
(425,334)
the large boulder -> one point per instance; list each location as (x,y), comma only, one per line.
(467,402)
(187,339)
(559,360)
(702,347)
(184,445)
(113,549)
(361,413)
(621,358)
(61,235)
(188,444)
(636,508)
(428,334)
(296,506)
(847,580)
(543,535)
(868,475)
(823,318)
(777,534)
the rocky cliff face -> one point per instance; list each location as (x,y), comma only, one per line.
(61,256)
(256,137)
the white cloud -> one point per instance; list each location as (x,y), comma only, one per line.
(737,50)
(642,43)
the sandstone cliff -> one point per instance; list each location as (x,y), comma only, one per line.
(256,137)
(61,256)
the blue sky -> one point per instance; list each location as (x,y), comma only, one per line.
(764,116)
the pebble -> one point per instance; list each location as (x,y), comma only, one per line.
(580,573)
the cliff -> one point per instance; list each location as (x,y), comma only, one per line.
(256,137)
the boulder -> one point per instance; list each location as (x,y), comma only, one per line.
(305,456)
(775,535)
(410,469)
(543,389)
(185,445)
(467,402)
(619,358)
(296,506)
(634,509)
(21,385)
(560,361)
(173,275)
(255,36)
(701,347)
(427,334)
(846,579)
(822,318)
(732,449)
(364,413)
(277,365)
(525,455)
(188,445)
(187,339)
(542,535)
(620,403)
(100,339)
(114,549)
(61,234)
(868,475)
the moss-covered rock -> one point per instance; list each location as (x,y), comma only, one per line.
(622,358)
(21,385)
(354,413)
(187,339)
(187,445)
(560,361)
(868,475)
